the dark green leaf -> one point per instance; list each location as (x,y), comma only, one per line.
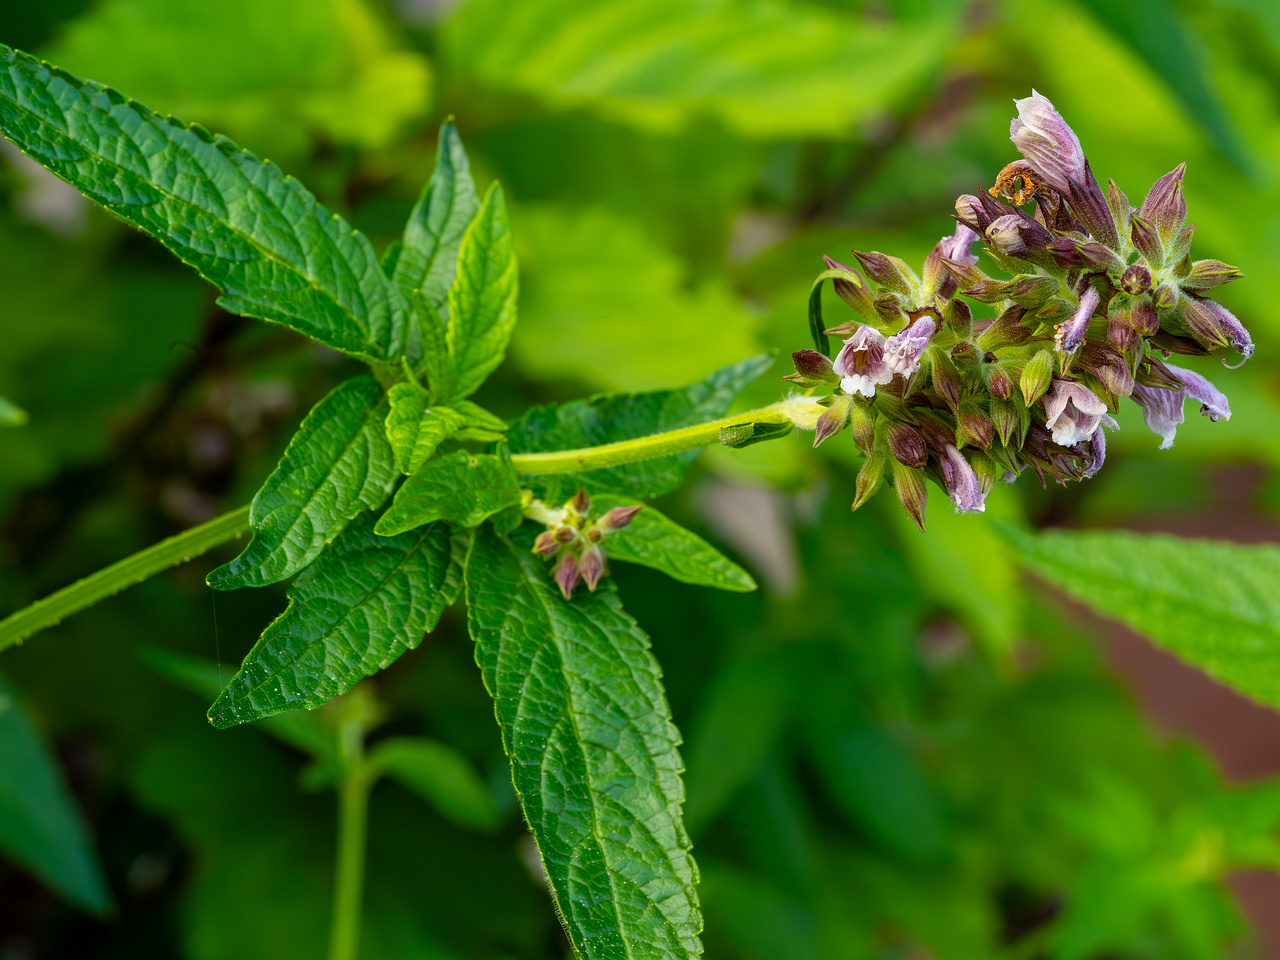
(817,327)
(441,776)
(462,488)
(256,234)
(11,415)
(337,465)
(610,417)
(40,827)
(416,429)
(593,754)
(653,540)
(1215,605)
(367,600)
(482,300)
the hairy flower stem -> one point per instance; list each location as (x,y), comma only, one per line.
(800,411)
(353,817)
(56,607)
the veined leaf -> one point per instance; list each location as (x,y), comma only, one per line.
(11,415)
(609,417)
(653,540)
(482,300)
(367,600)
(40,827)
(593,754)
(416,429)
(462,488)
(428,259)
(1215,605)
(256,234)
(337,465)
(441,776)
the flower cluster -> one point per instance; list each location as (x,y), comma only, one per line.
(1097,297)
(576,538)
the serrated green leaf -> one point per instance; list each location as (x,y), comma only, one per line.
(593,754)
(653,540)
(40,827)
(11,415)
(428,258)
(367,600)
(441,776)
(482,300)
(609,417)
(338,465)
(1215,605)
(416,429)
(256,234)
(462,488)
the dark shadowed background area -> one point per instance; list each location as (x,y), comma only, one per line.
(900,748)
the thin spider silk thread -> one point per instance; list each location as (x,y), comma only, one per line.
(217,643)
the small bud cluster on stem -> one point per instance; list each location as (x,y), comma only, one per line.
(1096,298)
(575,538)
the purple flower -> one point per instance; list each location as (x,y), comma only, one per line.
(1043,137)
(861,365)
(1072,332)
(1162,408)
(959,246)
(961,481)
(1097,450)
(1073,412)
(1212,323)
(902,350)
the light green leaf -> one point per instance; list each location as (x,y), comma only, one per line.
(367,600)
(414,428)
(482,300)
(11,415)
(40,827)
(441,776)
(653,540)
(1215,605)
(593,754)
(462,488)
(609,417)
(256,234)
(337,465)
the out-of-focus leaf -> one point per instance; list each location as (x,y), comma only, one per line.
(482,299)
(653,540)
(440,775)
(414,428)
(338,465)
(1213,604)
(11,415)
(256,234)
(604,303)
(269,73)
(610,417)
(593,754)
(367,600)
(461,488)
(765,69)
(40,827)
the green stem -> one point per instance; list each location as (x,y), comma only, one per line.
(178,549)
(645,448)
(353,816)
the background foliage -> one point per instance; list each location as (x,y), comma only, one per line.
(898,748)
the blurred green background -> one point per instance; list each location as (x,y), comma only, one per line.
(899,748)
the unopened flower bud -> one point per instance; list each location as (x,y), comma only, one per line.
(988,290)
(1164,207)
(958,318)
(1206,274)
(997,380)
(581,503)
(1036,376)
(1017,235)
(1146,239)
(1110,368)
(1213,325)
(908,484)
(1009,417)
(907,446)
(947,382)
(970,212)
(1136,279)
(547,543)
(1031,291)
(854,290)
(1121,209)
(973,425)
(966,274)
(1181,243)
(1008,330)
(987,471)
(832,420)
(1145,318)
(592,566)
(1121,334)
(567,574)
(618,517)
(887,271)
(863,421)
(1067,253)
(870,477)
(1164,297)
(812,369)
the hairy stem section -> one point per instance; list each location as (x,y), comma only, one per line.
(353,823)
(56,607)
